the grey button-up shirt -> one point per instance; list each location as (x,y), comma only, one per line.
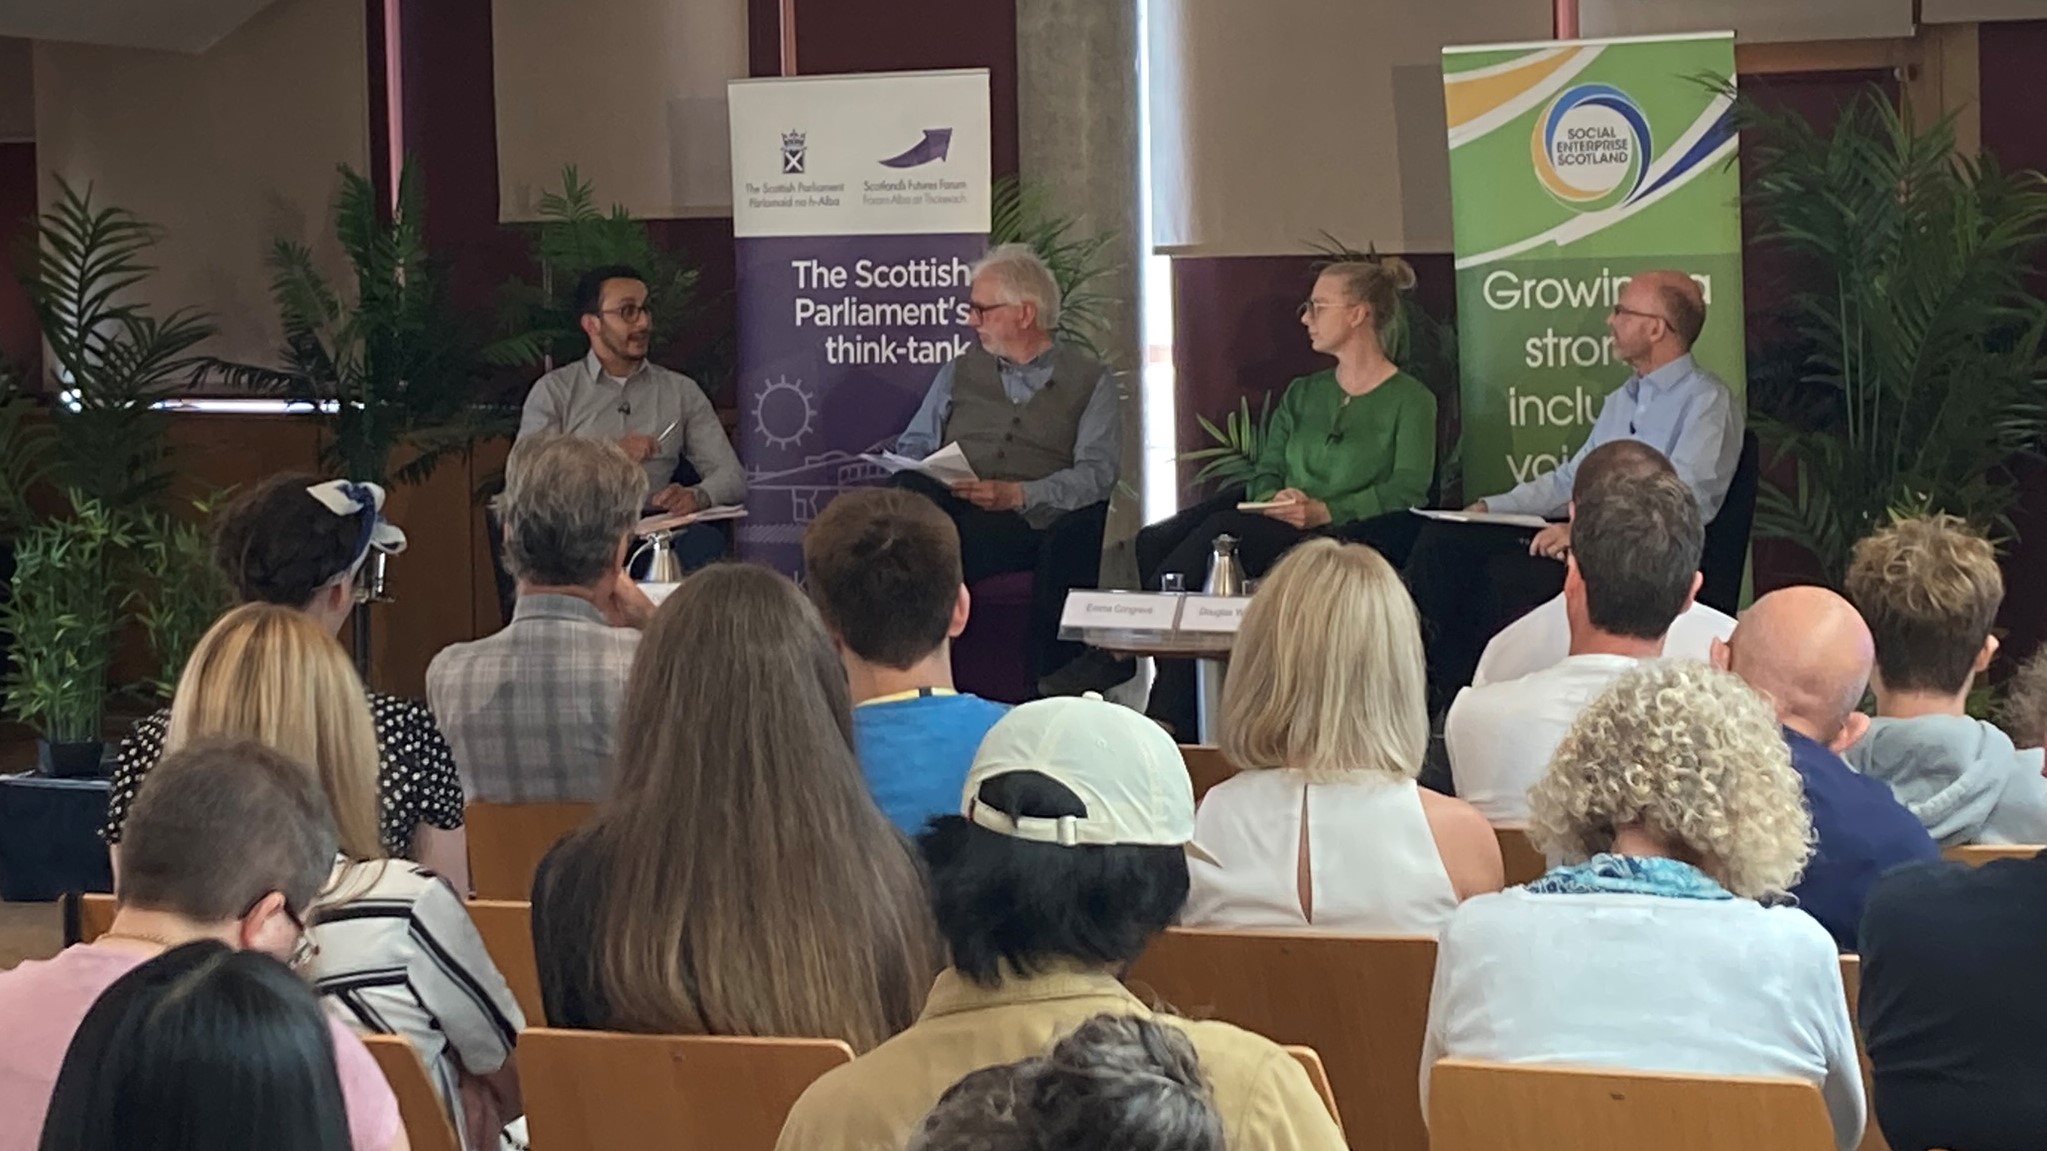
(531,712)
(581,400)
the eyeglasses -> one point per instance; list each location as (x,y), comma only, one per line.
(1310,308)
(1618,310)
(629,312)
(303,950)
(980,311)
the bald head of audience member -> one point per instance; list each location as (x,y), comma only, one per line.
(1807,650)
(1656,318)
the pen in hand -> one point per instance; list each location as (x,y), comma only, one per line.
(663,437)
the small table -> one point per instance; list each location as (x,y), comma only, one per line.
(1210,652)
(49,837)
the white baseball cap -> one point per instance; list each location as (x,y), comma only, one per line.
(1124,767)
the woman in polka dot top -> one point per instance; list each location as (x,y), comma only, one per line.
(295,541)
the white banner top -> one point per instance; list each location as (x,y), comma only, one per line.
(867,154)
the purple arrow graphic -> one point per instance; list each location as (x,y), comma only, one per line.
(935,144)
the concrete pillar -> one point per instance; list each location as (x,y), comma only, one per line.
(1077,141)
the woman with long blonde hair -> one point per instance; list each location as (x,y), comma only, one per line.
(740,879)
(393,947)
(1323,716)
(1661,939)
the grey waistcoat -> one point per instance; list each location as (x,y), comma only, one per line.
(1027,441)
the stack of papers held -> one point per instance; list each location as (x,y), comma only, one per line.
(948,465)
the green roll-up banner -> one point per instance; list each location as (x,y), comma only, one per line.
(1573,165)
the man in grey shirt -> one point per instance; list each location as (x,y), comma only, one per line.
(660,418)
(1040,424)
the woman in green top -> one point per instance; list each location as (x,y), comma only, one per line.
(1343,446)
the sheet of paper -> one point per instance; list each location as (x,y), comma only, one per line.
(669,521)
(947,465)
(1511,519)
(719,512)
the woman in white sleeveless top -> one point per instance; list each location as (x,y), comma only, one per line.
(1324,717)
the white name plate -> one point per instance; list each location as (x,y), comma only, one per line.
(1124,610)
(1218,613)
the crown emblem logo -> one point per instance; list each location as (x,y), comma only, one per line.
(794,153)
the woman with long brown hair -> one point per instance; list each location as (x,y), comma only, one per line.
(739,880)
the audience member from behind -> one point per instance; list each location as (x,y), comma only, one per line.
(1118,1083)
(298,542)
(1808,652)
(396,952)
(204,1048)
(1323,715)
(739,880)
(1542,638)
(1633,569)
(1070,857)
(532,711)
(1674,807)
(178,884)
(1930,589)
(1954,1004)
(883,567)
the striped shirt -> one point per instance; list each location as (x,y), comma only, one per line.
(398,955)
(532,711)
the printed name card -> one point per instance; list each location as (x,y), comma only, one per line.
(1214,613)
(1126,611)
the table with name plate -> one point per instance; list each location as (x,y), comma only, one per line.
(1163,625)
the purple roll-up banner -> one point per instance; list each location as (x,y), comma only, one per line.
(858,203)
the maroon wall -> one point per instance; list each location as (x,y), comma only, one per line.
(21,342)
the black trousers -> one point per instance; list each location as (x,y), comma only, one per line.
(1183,544)
(1468,582)
(1063,556)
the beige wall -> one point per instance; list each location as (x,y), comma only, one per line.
(632,92)
(225,149)
(1296,117)
(1753,21)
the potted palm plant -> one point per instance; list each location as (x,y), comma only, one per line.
(180,590)
(1914,371)
(63,608)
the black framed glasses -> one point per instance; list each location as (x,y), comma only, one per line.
(629,312)
(1619,310)
(303,949)
(980,311)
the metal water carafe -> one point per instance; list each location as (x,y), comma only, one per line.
(664,567)
(1225,577)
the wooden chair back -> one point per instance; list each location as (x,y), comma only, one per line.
(506,841)
(1361,1001)
(1524,863)
(1516,1107)
(1319,1076)
(586,1090)
(95,915)
(1205,766)
(419,1106)
(506,926)
(1978,854)
(1851,985)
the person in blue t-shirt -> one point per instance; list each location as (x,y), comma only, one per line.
(883,567)
(1809,651)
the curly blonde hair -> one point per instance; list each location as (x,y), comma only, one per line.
(1690,755)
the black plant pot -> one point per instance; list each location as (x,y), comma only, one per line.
(72,760)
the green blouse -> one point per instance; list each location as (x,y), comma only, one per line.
(1361,455)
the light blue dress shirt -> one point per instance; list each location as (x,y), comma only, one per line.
(1097,448)
(1681,410)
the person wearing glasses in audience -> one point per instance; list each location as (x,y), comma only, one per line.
(179,885)
(1343,447)
(1470,579)
(1040,425)
(661,418)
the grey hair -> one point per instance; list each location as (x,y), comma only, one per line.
(567,502)
(1022,277)
(1117,1083)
